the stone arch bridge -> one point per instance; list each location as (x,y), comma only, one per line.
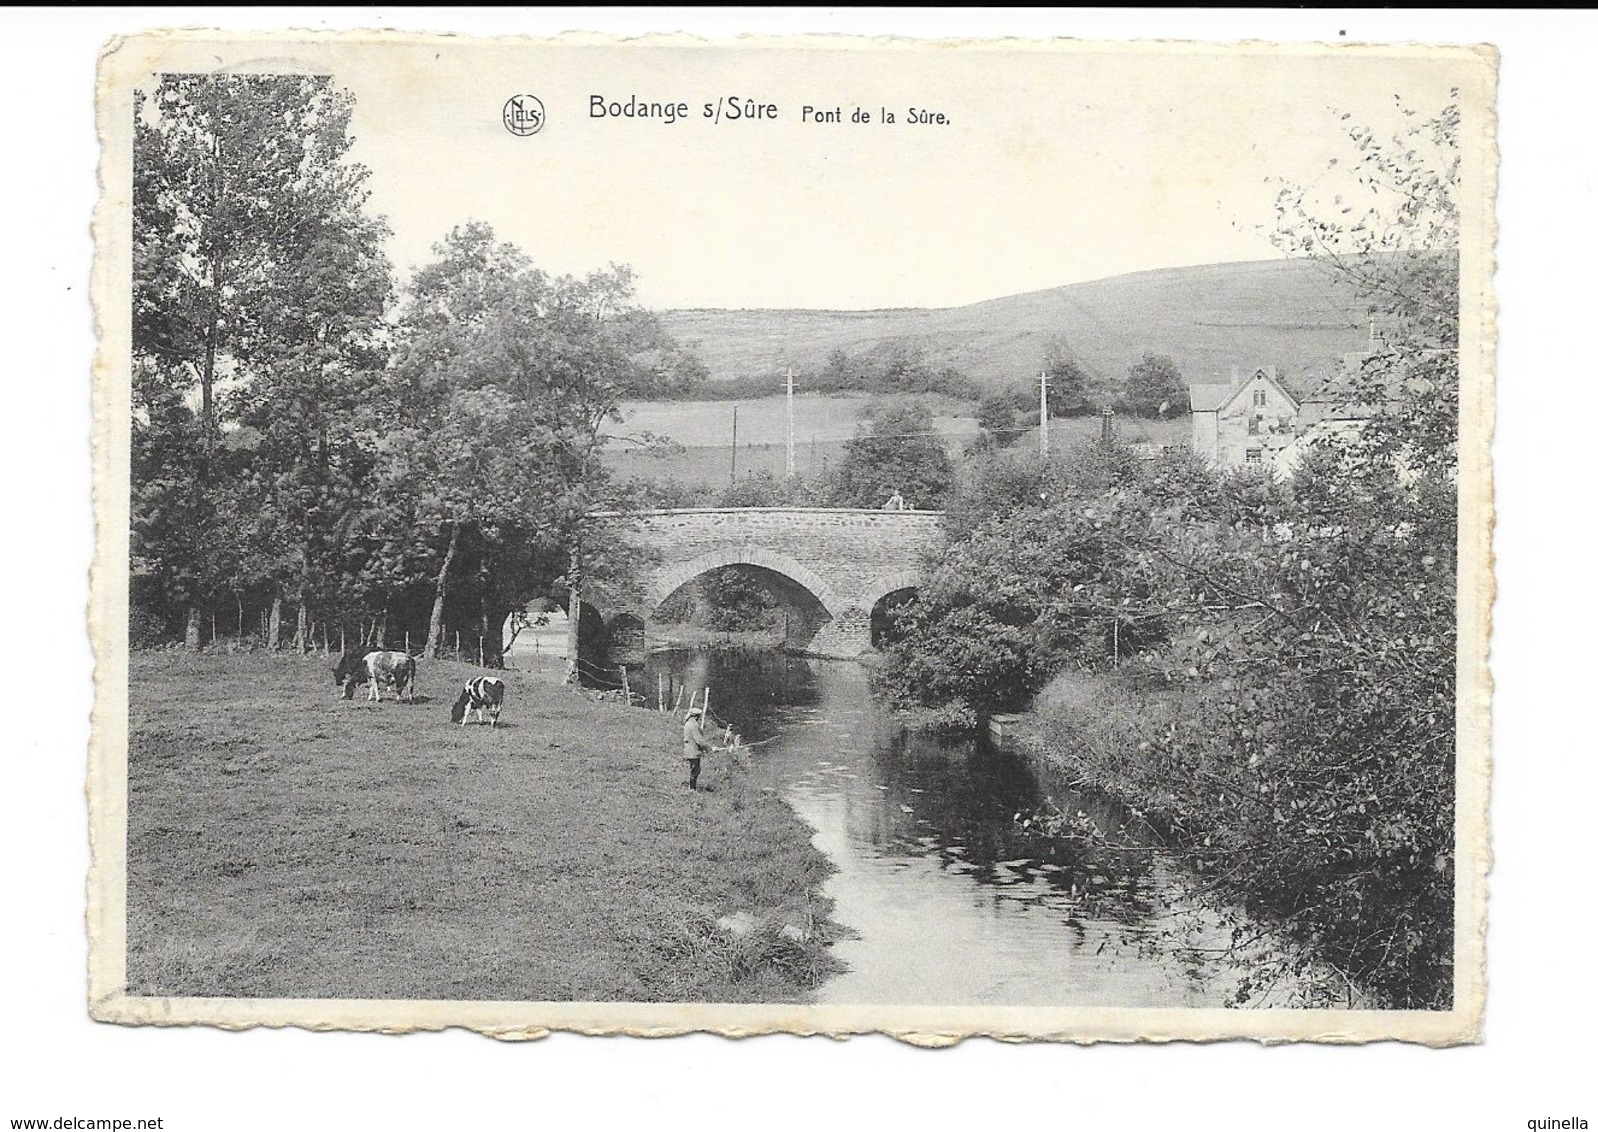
(832,566)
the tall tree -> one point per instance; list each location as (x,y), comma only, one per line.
(317,366)
(506,379)
(1153,386)
(1071,389)
(230,171)
(242,189)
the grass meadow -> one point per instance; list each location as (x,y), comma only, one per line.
(824,418)
(822,427)
(286,843)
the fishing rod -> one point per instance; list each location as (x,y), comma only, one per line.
(740,745)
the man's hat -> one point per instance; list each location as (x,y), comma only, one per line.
(696,711)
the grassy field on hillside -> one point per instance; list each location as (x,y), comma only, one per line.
(285,843)
(710,466)
(825,419)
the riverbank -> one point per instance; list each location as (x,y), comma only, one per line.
(1106,734)
(1093,731)
(284,843)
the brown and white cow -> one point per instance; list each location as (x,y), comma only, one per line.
(375,669)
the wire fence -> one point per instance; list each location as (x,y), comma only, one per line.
(320,640)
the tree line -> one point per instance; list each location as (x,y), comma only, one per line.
(312,446)
(893,367)
(1152,387)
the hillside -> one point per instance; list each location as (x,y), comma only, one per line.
(1287,313)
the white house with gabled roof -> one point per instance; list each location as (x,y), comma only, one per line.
(1245,422)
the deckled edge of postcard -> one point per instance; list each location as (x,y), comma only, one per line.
(125,59)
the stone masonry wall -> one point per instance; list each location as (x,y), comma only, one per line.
(847,558)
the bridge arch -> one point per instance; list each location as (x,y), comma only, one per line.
(893,583)
(891,591)
(678,576)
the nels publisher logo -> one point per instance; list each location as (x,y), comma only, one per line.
(523,115)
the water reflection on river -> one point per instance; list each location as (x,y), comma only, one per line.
(953,902)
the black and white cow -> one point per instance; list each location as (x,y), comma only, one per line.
(482,694)
(375,669)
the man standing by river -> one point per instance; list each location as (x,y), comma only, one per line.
(694,744)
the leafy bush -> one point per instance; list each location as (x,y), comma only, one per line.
(762,488)
(1047,566)
(996,416)
(148,629)
(733,597)
(900,452)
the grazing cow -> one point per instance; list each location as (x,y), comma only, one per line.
(375,669)
(485,693)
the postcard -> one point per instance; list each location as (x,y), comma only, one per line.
(815,535)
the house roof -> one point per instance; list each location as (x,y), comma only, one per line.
(1211,398)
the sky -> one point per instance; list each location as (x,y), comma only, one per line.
(1053,166)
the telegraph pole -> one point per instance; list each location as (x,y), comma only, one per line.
(734,476)
(790,422)
(574,614)
(1043,413)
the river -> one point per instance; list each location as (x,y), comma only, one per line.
(950,899)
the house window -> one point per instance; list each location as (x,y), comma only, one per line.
(1259,397)
(1254,425)
(1252,455)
